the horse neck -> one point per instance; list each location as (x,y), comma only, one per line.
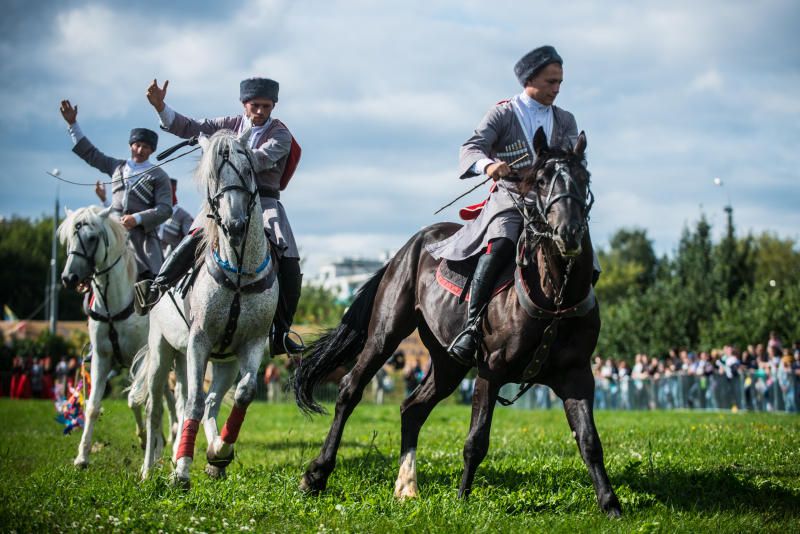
(552,266)
(115,287)
(255,247)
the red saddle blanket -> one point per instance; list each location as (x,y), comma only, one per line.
(455,275)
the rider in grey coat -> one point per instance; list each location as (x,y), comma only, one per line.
(141,193)
(504,141)
(271,142)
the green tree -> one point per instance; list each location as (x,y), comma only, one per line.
(24,268)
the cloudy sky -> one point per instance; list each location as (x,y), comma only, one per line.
(381,95)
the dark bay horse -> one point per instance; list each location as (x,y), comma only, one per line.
(541,329)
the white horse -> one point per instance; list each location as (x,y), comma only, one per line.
(230,310)
(98,254)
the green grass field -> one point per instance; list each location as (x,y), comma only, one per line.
(684,472)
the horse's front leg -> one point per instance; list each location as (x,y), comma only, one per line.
(197,353)
(101,365)
(223,375)
(577,392)
(484,398)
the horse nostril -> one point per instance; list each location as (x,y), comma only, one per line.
(70,279)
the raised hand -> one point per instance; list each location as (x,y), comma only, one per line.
(156,94)
(69,113)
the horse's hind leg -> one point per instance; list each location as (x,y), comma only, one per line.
(442,379)
(577,392)
(169,399)
(376,352)
(223,376)
(158,363)
(477,444)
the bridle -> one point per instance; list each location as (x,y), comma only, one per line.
(535,230)
(247,183)
(90,256)
(217,267)
(102,290)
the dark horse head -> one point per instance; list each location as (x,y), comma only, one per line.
(559,181)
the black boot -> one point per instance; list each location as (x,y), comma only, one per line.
(465,346)
(290,281)
(148,292)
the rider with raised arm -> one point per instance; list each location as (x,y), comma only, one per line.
(502,143)
(271,143)
(141,193)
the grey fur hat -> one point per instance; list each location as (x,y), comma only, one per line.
(258,88)
(144,135)
(534,61)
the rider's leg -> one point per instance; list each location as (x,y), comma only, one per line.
(290,281)
(498,254)
(174,267)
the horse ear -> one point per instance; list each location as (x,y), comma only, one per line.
(204,142)
(539,141)
(580,145)
(104,213)
(244,139)
(68,212)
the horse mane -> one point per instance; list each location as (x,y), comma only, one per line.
(117,234)
(206,176)
(528,175)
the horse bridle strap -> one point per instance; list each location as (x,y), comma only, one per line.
(258,286)
(121,316)
(537,312)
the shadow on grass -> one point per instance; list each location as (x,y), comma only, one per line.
(553,488)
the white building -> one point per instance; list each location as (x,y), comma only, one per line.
(345,276)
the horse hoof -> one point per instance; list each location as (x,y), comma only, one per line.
(403,491)
(215,472)
(81,464)
(216,461)
(180,482)
(311,485)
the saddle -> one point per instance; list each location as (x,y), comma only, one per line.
(455,276)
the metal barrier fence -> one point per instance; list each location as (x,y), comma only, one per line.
(714,392)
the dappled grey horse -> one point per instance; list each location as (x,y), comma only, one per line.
(226,316)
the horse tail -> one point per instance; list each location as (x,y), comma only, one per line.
(137,391)
(337,346)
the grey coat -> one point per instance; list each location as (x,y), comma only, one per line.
(271,151)
(175,229)
(499,136)
(148,195)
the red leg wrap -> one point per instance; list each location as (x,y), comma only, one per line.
(230,432)
(189,434)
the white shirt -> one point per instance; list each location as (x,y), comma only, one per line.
(531,115)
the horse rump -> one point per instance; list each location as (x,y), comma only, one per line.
(336,347)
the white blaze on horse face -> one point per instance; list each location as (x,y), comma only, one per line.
(406,485)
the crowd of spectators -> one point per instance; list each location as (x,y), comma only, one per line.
(763,377)
(35,377)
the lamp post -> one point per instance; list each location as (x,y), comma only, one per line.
(53,289)
(728,208)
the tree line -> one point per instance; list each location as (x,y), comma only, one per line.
(707,295)
(704,295)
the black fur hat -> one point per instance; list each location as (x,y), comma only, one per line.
(534,61)
(258,88)
(144,135)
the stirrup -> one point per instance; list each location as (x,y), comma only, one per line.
(143,296)
(278,344)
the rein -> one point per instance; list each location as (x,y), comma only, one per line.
(120,179)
